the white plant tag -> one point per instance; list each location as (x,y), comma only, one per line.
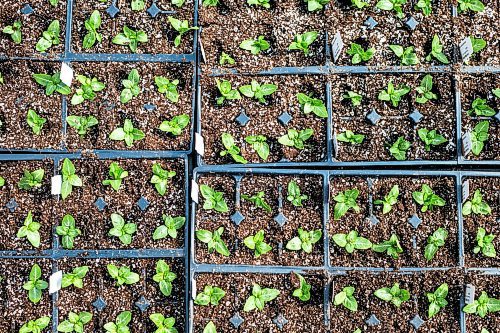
(337,46)
(202,49)
(55,281)
(465,190)
(56,184)
(470,292)
(195,191)
(466,143)
(199,144)
(466,49)
(66,74)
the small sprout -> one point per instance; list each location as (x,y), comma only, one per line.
(210,3)
(30,230)
(259,144)
(480,108)
(213,241)
(472,5)
(303,292)
(226,91)
(257,244)
(131,38)
(124,231)
(425,90)
(31,180)
(14,31)
(117,174)
(296,138)
(314,5)
(359,54)
(437,48)
(262,3)
(75,278)
(122,320)
(258,91)
(485,244)
(425,6)
(354,97)
(35,121)
(122,275)
(352,241)
(1,80)
(69,178)
(2,183)
(399,148)
(87,90)
(437,300)
(479,135)
(395,295)
(495,92)
(434,242)
(393,94)
(477,44)
(391,246)
(395,5)
(389,200)
(54,2)
(430,138)
(139,5)
(75,322)
(231,149)
(259,298)
(91,25)
(483,305)
(476,205)
(82,124)
(209,296)
(349,137)
(49,37)
(303,41)
(258,201)
(346,298)
(255,46)
(163,325)
(360,4)
(169,227)
(35,326)
(427,198)
(52,83)
(161,178)
(131,86)
(294,195)
(164,277)
(313,105)
(127,133)
(35,284)
(304,241)
(225,59)
(344,201)
(68,231)
(213,199)
(181,27)
(176,125)
(167,87)
(407,55)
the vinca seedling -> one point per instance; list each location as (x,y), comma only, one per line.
(209,296)
(91,25)
(213,241)
(303,292)
(294,196)
(399,148)
(176,125)
(436,48)
(344,201)
(169,227)
(163,324)
(75,322)
(393,94)
(354,97)
(82,124)
(258,200)
(483,305)
(69,178)
(52,83)
(485,244)
(226,59)
(472,5)
(31,180)
(296,138)
(434,242)
(161,178)
(425,90)
(226,91)
(35,121)
(181,27)
(167,87)
(124,231)
(303,41)
(259,298)
(257,244)
(389,200)
(68,231)
(35,326)
(391,246)
(350,137)
(35,284)
(352,241)
(304,241)
(231,149)
(314,105)
(30,230)
(259,144)
(49,37)
(127,133)
(164,277)
(262,3)
(430,138)
(395,295)
(75,278)
(213,199)
(425,6)
(131,86)
(346,299)
(130,38)
(258,91)
(315,5)
(476,205)
(407,55)
(14,31)
(255,46)
(437,300)
(360,55)
(479,135)
(480,108)
(395,5)
(87,90)
(427,198)
(122,275)
(116,174)
(121,323)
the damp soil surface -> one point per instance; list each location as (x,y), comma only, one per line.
(263,119)
(20,93)
(146,111)
(33,26)
(488,284)
(394,319)
(160,33)
(98,283)
(480,86)
(394,122)
(95,224)
(308,217)
(413,241)
(489,188)
(301,316)
(38,200)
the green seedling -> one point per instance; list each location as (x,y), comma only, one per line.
(303,41)
(315,5)
(425,90)
(69,178)
(163,324)
(294,196)
(121,323)
(52,83)
(395,295)
(226,59)
(130,38)
(394,94)
(258,200)
(213,241)
(161,178)
(122,275)
(259,298)
(360,55)
(259,144)
(30,230)
(350,137)
(258,91)
(425,6)
(49,37)
(31,180)
(226,91)
(75,322)
(35,326)
(88,89)
(35,121)
(116,174)
(389,200)
(167,87)
(391,246)
(68,231)
(262,3)
(14,31)
(169,227)
(304,241)
(303,292)
(255,46)
(354,97)
(181,27)
(346,299)
(176,125)
(483,305)
(314,105)
(407,55)
(131,87)
(480,108)
(434,242)
(35,284)
(231,149)
(257,244)
(395,5)
(344,201)
(296,138)
(91,25)
(399,148)
(164,277)
(127,133)
(436,48)
(476,205)
(479,135)
(430,138)
(124,231)
(470,5)
(485,244)
(352,241)
(213,199)
(437,300)
(209,296)
(427,198)
(82,124)
(75,278)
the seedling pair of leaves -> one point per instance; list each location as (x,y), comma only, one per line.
(35,326)
(82,124)
(262,3)
(117,174)
(258,200)
(470,5)
(360,55)
(346,299)
(483,305)
(316,5)
(425,90)
(314,105)
(231,149)
(213,241)
(352,241)
(127,133)
(209,296)
(75,322)
(121,323)
(485,244)
(392,247)
(354,97)
(163,324)
(434,242)
(161,177)
(176,125)
(303,292)
(389,200)
(131,86)
(427,198)
(35,121)
(122,275)
(430,138)
(476,205)
(437,300)
(124,231)
(259,144)
(169,227)
(35,284)
(181,27)
(257,244)
(213,199)
(167,87)
(30,230)
(344,201)
(258,91)
(69,178)
(393,94)
(399,148)
(407,55)
(436,46)
(75,278)
(226,91)
(89,86)
(303,41)
(52,83)
(255,46)
(91,25)
(480,108)
(14,31)
(68,231)
(31,180)
(304,241)
(49,37)
(395,5)
(294,196)
(350,137)
(164,277)
(395,295)
(296,138)
(260,296)
(479,135)
(130,38)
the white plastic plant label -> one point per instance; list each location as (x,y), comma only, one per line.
(466,49)
(199,144)
(66,74)
(470,292)
(55,282)
(465,190)
(202,49)
(56,184)
(337,46)
(466,143)
(195,191)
